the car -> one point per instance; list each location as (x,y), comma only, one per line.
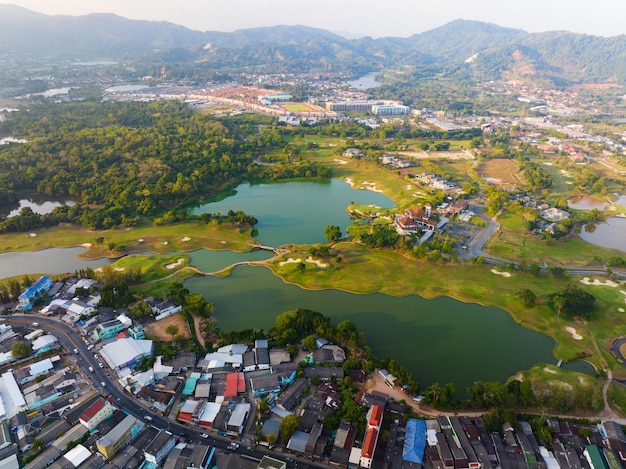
(103,384)
(91,369)
(153,409)
(76,351)
(95,355)
(142,409)
(100,365)
(250,448)
(204,435)
(147,417)
(90,347)
(120,400)
(36,324)
(233,445)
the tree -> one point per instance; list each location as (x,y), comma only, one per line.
(271,438)
(534,269)
(309,342)
(177,293)
(288,426)
(21,349)
(527,297)
(140,311)
(198,305)
(172,330)
(14,288)
(332,233)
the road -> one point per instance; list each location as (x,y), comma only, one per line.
(70,340)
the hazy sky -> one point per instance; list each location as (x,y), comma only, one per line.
(362,17)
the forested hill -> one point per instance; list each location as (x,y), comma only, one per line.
(464,49)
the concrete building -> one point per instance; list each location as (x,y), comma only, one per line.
(34,292)
(159,447)
(96,413)
(107,330)
(119,436)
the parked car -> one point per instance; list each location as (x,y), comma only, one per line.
(204,435)
(100,365)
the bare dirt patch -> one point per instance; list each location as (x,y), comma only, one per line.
(157,328)
(501,172)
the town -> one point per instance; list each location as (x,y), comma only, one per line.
(78,394)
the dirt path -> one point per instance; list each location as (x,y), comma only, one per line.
(196,325)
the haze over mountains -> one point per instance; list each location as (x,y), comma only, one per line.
(560,57)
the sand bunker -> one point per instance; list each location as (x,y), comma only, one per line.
(32,235)
(140,240)
(504,274)
(608,283)
(340,161)
(165,243)
(119,269)
(86,245)
(621,310)
(316,262)
(371,186)
(291,260)
(572,331)
(185,239)
(549,370)
(175,264)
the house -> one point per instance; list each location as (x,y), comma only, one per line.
(109,444)
(34,292)
(107,330)
(238,418)
(264,384)
(96,413)
(164,309)
(160,446)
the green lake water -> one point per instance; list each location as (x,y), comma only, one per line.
(441,340)
(296,212)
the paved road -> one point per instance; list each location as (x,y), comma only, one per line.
(70,340)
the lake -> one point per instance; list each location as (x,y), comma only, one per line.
(50,261)
(440,340)
(296,212)
(40,204)
(365,82)
(611,234)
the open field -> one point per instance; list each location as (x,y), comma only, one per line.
(501,172)
(299,107)
(156,329)
(561,179)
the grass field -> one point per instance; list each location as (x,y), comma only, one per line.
(502,172)
(513,241)
(157,239)
(560,179)
(299,107)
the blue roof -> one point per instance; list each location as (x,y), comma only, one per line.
(43,282)
(414,441)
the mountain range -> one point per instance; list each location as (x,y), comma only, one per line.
(462,47)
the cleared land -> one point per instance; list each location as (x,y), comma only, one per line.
(299,107)
(157,328)
(501,172)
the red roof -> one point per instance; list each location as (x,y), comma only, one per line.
(123,335)
(371,437)
(234,384)
(93,410)
(376,415)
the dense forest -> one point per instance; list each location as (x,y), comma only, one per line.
(128,160)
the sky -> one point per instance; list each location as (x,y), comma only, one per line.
(354,18)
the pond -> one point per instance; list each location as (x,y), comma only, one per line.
(584,202)
(40,204)
(441,340)
(296,212)
(611,234)
(49,261)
